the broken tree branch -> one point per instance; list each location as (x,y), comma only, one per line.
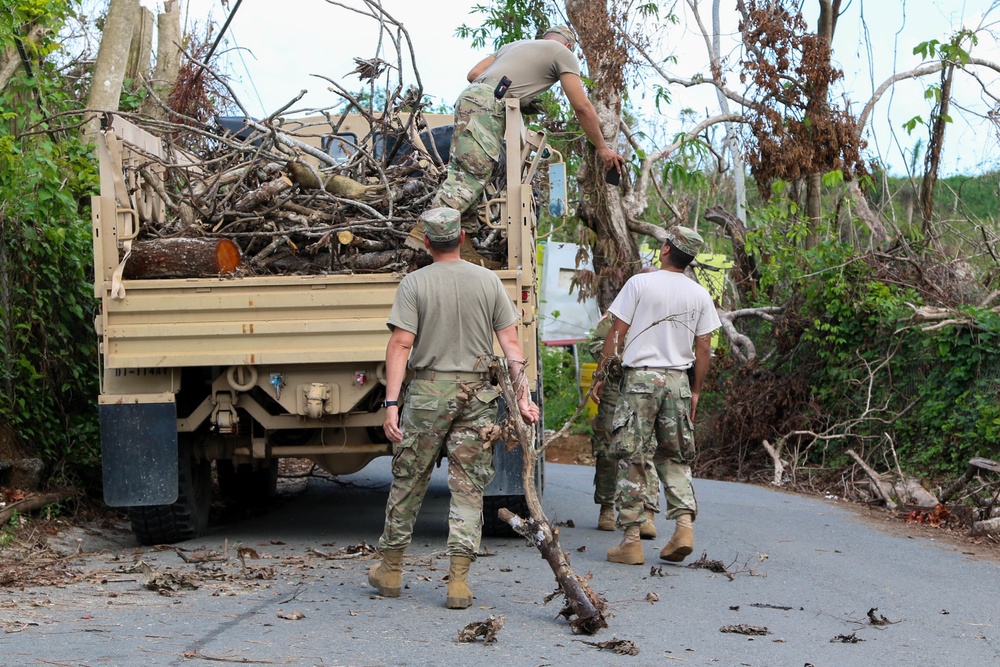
(879,486)
(582,601)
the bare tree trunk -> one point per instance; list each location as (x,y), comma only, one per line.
(745,276)
(140,51)
(615,253)
(112,56)
(168,59)
(932,159)
(11,59)
(817,107)
(739,173)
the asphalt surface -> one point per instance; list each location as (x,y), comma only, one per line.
(807,570)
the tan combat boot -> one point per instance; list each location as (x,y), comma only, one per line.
(629,552)
(459,594)
(387,576)
(647,530)
(606,520)
(470,254)
(681,544)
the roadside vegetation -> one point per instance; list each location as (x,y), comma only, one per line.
(864,305)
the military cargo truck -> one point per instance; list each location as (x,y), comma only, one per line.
(231,374)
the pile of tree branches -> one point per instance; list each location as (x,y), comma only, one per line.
(290,207)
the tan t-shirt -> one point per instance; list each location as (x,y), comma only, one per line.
(532,65)
(453,309)
(665,311)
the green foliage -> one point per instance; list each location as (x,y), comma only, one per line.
(560,393)
(957,414)
(47,345)
(8,532)
(935,396)
(508,21)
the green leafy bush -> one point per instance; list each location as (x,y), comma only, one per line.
(844,361)
(48,360)
(560,390)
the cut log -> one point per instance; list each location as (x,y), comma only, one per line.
(911,492)
(987,527)
(374,261)
(31,504)
(182,258)
(335,184)
(264,194)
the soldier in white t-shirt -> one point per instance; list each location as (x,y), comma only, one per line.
(664,327)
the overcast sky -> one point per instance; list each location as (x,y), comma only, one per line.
(273,52)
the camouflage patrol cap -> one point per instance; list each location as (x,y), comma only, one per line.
(685,239)
(442,224)
(564,32)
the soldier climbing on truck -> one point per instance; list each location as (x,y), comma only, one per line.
(283,355)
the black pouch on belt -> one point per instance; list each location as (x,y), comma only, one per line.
(501,88)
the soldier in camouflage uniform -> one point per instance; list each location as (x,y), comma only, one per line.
(533,66)
(660,318)
(606,465)
(443,320)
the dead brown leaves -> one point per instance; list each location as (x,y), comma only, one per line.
(488,630)
(619,646)
(744,629)
(794,131)
(935,518)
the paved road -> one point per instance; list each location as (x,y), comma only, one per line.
(808,570)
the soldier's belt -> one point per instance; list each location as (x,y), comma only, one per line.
(657,369)
(449,376)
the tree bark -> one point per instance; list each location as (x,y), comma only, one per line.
(932,159)
(879,486)
(168,59)
(264,194)
(615,253)
(140,52)
(986,527)
(182,258)
(112,56)
(817,107)
(12,59)
(747,275)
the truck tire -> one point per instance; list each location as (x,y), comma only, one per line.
(187,517)
(492,525)
(245,484)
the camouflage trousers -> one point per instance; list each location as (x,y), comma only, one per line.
(442,417)
(480,122)
(606,465)
(652,424)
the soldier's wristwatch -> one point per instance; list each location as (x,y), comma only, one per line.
(387,404)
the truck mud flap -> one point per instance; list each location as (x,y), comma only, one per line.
(139,453)
(508,479)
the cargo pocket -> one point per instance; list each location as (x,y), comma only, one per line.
(421,414)
(685,426)
(626,439)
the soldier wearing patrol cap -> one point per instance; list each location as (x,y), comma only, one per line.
(533,66)
(664,327)
(443,320)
